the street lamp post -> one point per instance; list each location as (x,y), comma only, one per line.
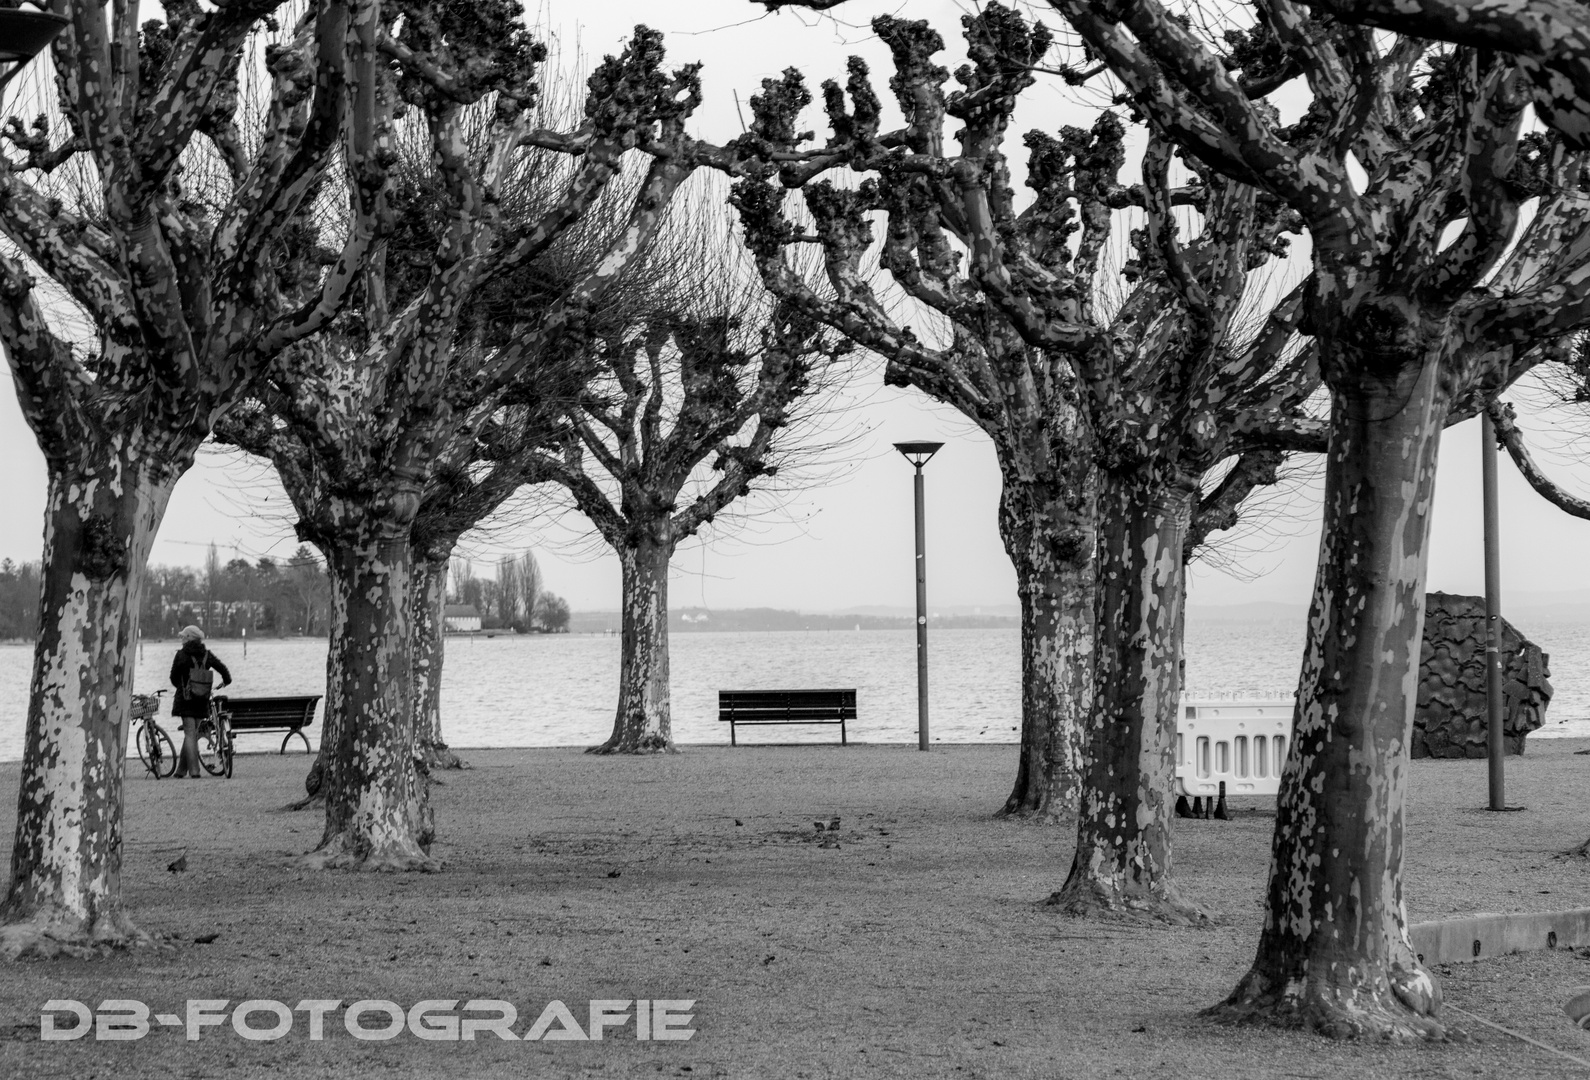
(23,35)
(1495,747)
(918,454)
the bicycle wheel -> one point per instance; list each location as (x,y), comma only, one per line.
(155,749)
(212,753)
(224,729)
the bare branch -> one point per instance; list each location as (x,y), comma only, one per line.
(1509,436)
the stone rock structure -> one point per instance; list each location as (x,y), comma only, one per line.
(1450,719)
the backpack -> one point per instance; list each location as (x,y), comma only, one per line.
(200,679)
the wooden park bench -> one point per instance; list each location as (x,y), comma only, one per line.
(786,707)
(289,714)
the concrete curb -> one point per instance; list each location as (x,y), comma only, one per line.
(1478,937)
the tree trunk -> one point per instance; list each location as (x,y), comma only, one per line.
(331,711)
(1123,856)
(65,892)
(1335,955)
(378,814)
(430,597)
(643,724)
(1053,555)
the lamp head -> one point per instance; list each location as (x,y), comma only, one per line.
(918,453)
(23,35)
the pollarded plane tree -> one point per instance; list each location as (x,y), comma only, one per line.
(505,454)
(1163,389)
(485,459)
(1545,37)
(487,456)
(184,249)
(1167,388)
(1023,398)
(486,462)
(376,404)
(491,458)
(1396,302)
(704,397)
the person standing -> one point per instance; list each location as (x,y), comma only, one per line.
(191,675)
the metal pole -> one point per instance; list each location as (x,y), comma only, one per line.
(1494,746)
(921,618)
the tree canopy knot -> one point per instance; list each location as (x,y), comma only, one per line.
(104,551)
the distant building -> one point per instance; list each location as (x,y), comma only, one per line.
(460,619)
(214,615)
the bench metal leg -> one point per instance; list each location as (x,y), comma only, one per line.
(289,738)
(842,734)
(731,734)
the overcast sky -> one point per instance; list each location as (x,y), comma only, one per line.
(847,541)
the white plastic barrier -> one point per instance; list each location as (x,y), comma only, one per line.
(1240,743)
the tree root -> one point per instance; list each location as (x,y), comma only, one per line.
(438,756)
(1089,898)
(347,851)
(1036,815)
(53,932)
(308,802)
(315,779)
(1043,801)
(1399,1007)
(646,744)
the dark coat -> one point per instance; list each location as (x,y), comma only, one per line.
(194,652)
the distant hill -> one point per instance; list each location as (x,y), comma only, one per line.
(695,619)
(1261,611)
(1008,611)
(1520,608)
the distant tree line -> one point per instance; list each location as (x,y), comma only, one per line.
(267,596)
(19,599)
(688,619)
(286,597)
(515,599)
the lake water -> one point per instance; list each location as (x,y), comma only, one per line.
(560,690)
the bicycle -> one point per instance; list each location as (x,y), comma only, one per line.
(155,748)
(215,739)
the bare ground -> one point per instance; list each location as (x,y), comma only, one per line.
(910,942)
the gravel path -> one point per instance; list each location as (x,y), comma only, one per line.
(907,942)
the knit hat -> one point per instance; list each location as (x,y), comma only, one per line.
(191,633)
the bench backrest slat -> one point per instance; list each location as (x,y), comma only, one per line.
(793,704)
(270,712)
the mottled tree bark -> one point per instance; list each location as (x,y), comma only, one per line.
(428,644)
(378,814)
(1054,580)
(331,705)
(65,893)
(1123,857)
(644,722)
(1335,955)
